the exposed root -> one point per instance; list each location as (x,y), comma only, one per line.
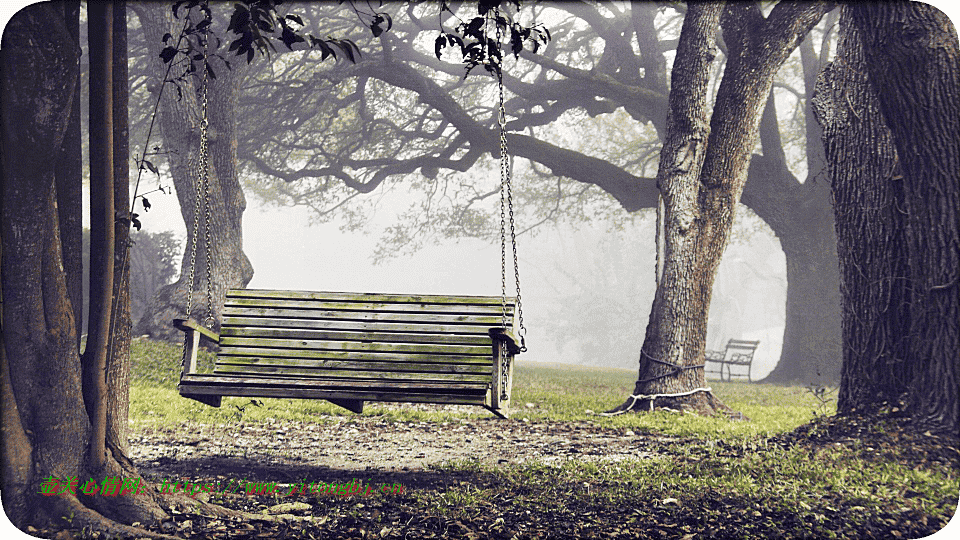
(702,403)
(69,512)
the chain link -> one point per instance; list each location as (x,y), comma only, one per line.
(201,204)
(506,203)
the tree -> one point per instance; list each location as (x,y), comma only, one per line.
(889,107)
(179,119)
(402,119)
(61,426)
(703,169)
(153,260)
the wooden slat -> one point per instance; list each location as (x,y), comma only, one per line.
(354,364)
(320,324)
(227,354)
(258,370)
(422,348)
(321,384)
(486,320)
(355,335)
(366,297)
(310,393)
(363,306)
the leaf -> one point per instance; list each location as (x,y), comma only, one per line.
(135,222)
(295,18)
(439,44)
(167,54)
(146,204)
(151,166)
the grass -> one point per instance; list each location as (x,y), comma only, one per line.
(542,392)
(720,478)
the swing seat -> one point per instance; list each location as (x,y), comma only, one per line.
(351,348)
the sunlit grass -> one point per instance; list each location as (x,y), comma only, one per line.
(542,392)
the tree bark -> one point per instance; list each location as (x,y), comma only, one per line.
(227,266)
(102,217)
(702,174)
(118,354)
(899,79)
(70,181)
(46,429)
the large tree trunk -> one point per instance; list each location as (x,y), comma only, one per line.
(801,216)
(702,175)
(227,266)
(867,187)
(46,429)
(895,178)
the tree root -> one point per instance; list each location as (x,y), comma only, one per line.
(70,512)
(702,403)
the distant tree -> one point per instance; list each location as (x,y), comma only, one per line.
(153,264)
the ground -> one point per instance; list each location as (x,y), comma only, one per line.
(379,452)
(470,501)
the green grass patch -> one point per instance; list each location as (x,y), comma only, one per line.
(542,392)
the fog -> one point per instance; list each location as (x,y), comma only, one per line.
(586,292)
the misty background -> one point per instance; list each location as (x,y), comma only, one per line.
(586,289)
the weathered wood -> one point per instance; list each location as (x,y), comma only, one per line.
(322,365)
(359,375)
(429,348)
(240,352)
(226,381)
(477,319)
(351,348)
(192,325)
(364,297)
(431,327)
(353,335)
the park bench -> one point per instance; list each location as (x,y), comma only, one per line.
(739,353)
(351,348)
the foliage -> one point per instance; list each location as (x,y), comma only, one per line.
(478,47)
(254,26)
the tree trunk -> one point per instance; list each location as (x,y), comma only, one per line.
(227,265)
(118,354)
(102,218)
(867,188)
(70,183)
(702,175)
(899,79)
(46,429)
(800,215)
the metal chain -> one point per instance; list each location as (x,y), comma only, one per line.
(201,198)
(506,204)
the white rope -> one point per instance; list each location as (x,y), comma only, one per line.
(652,397)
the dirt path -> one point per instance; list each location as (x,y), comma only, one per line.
(365,443)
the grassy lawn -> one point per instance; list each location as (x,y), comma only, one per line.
(714,478)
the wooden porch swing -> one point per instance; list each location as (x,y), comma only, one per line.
(350,348)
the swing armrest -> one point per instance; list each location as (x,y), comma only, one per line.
(505,334)
(190,325)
